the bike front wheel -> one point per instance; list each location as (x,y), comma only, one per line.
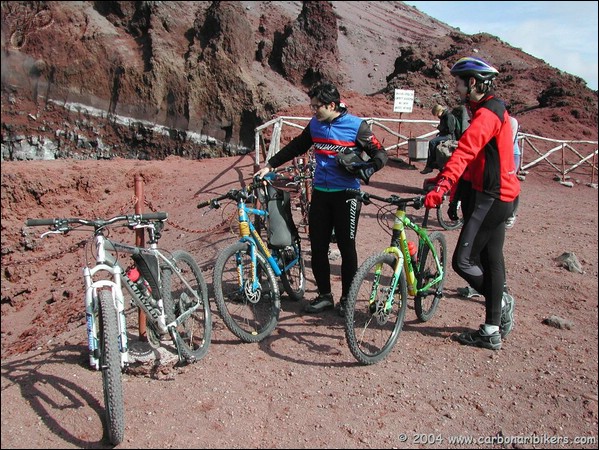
(193,330)
(293,269)
(250,308)
(110,364)
(427,300)
(372,324)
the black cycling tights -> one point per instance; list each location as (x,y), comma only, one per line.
(338,210)
(478,256)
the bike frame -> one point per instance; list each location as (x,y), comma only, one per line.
(114,282)
(399,248)
(250,235)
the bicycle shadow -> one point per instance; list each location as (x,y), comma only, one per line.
(320,347)
(425,329)
(47,394)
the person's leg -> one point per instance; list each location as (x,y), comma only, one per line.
(432,154)
(346,214)
(320,222)
(477,260)
(511,220)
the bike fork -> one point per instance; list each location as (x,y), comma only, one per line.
(91,320)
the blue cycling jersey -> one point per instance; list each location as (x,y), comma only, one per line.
(329,139)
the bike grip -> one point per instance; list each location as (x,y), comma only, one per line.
(204,204)
(154,216)
(270,176)
(40,222)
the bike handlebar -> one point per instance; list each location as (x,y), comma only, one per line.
(132,219)
(365,197)
(238,194)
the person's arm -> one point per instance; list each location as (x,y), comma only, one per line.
(473,141)
(368,142)
(298,145)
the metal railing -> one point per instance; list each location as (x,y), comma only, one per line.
(575,154)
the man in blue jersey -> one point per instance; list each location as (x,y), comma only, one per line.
(334,134)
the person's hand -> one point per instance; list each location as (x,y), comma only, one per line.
(435,196)
(262,172)
(366,172)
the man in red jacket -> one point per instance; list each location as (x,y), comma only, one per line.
(486,151)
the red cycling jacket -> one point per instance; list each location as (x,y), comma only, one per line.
(486,152)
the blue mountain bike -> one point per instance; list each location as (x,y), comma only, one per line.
(246,273)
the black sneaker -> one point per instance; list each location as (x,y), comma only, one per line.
(507,315)
(468,292)
(342,306)
(426,170)
(320,303)
(480,338)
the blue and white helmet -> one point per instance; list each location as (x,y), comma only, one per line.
(474,67)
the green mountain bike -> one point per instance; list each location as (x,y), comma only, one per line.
(377,300)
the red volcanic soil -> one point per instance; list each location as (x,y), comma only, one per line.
(300,387)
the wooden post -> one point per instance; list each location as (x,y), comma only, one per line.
(140,242)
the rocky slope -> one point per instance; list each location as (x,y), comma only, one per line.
(216,70)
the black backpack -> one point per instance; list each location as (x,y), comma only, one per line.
(462,120)
(282,231)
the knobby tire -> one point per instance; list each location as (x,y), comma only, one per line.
(195,332)
(371,333)
(426,303)
(444,220)
(251,316)
(294,280)
(110,364)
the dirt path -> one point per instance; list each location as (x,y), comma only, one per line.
(301,387)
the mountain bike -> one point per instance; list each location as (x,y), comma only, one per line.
(377,300)
(168,287)
(245,273)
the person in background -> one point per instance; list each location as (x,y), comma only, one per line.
(446,127)
(486,151)
(509,223)
(338,138)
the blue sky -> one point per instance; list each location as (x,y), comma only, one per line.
(563,34)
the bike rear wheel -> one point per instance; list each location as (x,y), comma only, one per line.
(294,278)
(194,332)
(371,327)
(250,314)
(426,302)
(445,221)
(110,364)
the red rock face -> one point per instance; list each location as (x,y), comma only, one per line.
(223,69)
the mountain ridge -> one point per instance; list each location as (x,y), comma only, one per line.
(231,66)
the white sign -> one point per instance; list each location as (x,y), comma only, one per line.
(404,100)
